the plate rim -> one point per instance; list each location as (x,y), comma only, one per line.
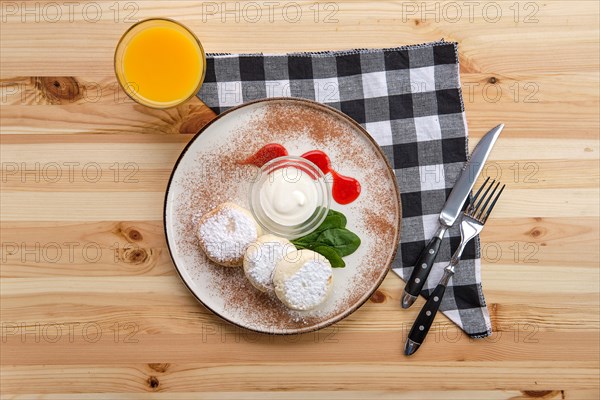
(356,125)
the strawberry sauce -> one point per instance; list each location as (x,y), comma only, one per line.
(265,154)
(345,189)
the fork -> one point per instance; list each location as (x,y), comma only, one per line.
(471,225)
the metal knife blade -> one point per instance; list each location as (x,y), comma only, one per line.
(449,214)
(466,180)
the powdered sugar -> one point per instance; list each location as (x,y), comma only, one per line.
(308,287)
(227,234)
(260,263)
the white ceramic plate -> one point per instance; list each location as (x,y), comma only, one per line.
(208,173)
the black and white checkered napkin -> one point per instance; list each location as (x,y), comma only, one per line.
(409,99)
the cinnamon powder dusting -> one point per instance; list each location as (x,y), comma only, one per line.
(213,174)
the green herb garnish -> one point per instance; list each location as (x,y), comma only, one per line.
(329,253)
(331,239)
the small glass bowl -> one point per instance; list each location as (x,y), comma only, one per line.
(322,190)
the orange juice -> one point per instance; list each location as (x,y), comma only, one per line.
(159,63)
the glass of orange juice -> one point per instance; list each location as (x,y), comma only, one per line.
(160,63)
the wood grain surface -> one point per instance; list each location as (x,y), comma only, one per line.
(92,308)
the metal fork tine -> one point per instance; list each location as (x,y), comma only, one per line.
(476,209)
(470,207)
(489,210)
(481,210)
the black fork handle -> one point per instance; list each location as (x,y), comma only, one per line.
(424,320)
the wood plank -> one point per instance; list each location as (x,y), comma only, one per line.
(63,342)
(390,25)
(272,376)
(77,206)
(344,395)
(126,118)
(162,304)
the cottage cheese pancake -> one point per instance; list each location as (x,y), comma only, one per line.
(261,258)
(303,280)
(226,232)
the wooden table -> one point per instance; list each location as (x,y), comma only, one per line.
(92,306)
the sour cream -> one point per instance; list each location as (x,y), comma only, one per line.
(289,196)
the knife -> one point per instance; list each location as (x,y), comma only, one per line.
(449,214)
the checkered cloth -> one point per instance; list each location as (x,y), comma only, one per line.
(409,99)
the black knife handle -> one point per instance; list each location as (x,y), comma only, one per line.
(424,320)
(423,265)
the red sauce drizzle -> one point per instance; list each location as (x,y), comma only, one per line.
(265,154)
(345,189)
